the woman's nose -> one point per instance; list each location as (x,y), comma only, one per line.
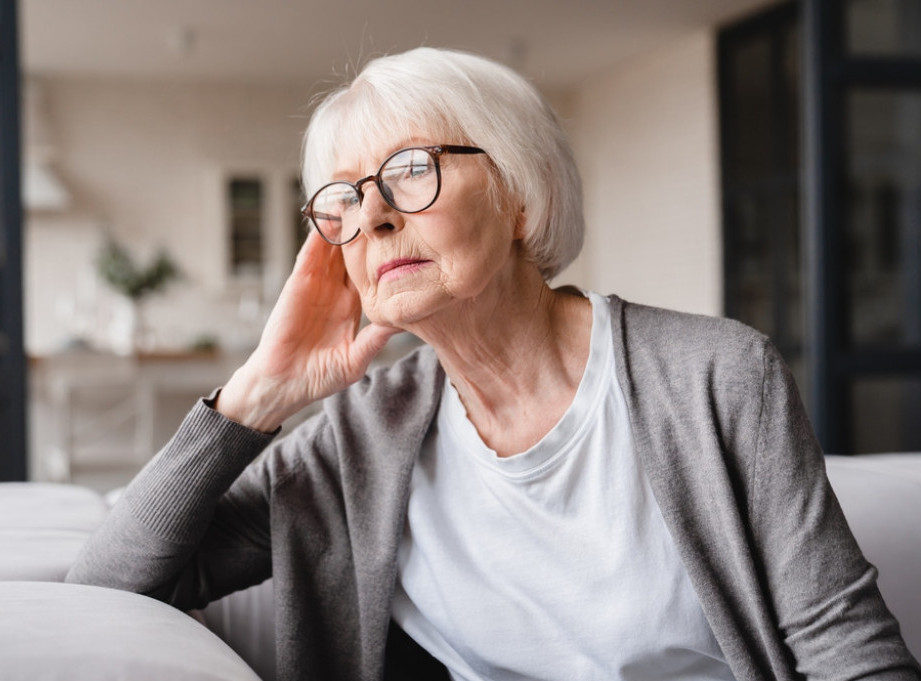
(376,217)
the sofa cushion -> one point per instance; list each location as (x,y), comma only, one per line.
(43,526)
(74,632)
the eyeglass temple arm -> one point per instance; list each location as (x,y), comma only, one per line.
(460,149)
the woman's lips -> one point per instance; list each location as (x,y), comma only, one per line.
(394,269)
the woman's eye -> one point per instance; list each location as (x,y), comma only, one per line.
(335,203)
(409,171)
(419,169)
(326,218)
(343,201)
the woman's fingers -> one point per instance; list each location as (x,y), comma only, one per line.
(314,256)
(368,344)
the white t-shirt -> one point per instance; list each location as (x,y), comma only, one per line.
(554,563)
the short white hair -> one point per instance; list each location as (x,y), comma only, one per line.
(473,100)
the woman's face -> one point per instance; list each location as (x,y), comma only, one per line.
(412,268)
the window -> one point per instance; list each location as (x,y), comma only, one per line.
(833,271)
(883,240)
(263,228)
(298,221)
(883,27)
(760,128)
(246,215)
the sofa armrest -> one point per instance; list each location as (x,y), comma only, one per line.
(74,632)
(881,499)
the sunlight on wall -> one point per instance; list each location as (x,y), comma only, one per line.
(646,140)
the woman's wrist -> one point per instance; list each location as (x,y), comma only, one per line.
(246,400)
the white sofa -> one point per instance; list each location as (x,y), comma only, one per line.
(881,498)
(66,632)
(75,632)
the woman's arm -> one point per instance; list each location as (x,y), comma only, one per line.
(175,534)
(178,534)
(827,604)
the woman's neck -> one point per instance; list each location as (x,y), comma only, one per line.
(516,356)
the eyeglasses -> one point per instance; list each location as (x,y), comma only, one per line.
(409,180)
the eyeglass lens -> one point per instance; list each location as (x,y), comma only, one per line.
(408,181)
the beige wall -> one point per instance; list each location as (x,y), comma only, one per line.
(645,137)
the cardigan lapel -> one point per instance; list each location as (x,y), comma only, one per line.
(385,421)
(698,486)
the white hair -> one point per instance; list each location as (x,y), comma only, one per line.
(472,100)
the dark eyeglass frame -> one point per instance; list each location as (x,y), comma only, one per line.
(435,151)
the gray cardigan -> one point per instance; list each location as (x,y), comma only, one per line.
(719,429)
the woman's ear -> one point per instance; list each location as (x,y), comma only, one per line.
(521,219)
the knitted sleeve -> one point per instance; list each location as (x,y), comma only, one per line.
(173,534)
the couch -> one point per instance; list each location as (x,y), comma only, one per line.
(51,630)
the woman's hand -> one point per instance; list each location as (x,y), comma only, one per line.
(311,346)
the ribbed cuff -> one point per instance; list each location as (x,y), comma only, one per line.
(175,494)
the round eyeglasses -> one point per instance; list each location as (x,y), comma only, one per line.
(409,180)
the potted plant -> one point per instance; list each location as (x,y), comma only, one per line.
(119,270)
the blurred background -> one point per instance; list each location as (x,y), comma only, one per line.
(747,158)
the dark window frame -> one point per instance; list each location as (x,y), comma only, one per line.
(13,457)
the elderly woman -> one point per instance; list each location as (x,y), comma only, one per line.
(559,486)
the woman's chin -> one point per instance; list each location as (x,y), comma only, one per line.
(403,311)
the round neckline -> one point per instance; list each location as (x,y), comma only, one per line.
(567,432)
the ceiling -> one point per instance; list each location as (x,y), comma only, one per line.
(555,42)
